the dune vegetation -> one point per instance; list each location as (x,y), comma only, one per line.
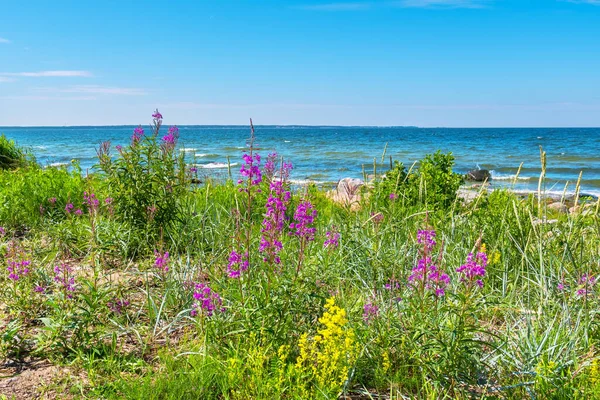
(133,282)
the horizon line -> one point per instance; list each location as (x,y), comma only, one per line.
(306,126)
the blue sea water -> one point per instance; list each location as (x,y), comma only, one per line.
(326,154)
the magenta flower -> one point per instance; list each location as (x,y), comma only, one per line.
(393,196)
(66,282)
(272,225)
(370,311)
(304,216)
(237,264)
(39,289)
(206,300)
(17,268)
(117,305)
(170,139)
(2,231)
(162,261)
(586,284)
(333,239)
(430,276)
(78,212)
(193,170)
(377,218)
(157,116)
(474,268)
(251,169)
(91,201)
(69,207)
(138,133)
(52,200)
(427,238)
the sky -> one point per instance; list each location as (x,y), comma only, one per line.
(429,63)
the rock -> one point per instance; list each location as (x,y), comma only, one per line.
(558,206)
(347,192)
(478,175)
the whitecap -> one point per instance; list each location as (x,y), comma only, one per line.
(501,177)
(188,149)
(214,165)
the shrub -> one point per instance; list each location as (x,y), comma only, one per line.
(12,156)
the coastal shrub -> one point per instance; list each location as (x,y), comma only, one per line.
(13,156)
(432,182)
(146,180)
(29,195)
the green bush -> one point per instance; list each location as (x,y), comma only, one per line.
(12,156)
(432,183)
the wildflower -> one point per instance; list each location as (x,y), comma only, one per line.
(586,284)
(206,300)
(560,286)
(426,238)
(333,239)
(157,116)
(138,133)
(370,311)
(78,212)
(69,207)
(251,169)
(377,217)
(17,268)
(272,225)
(428,274)
(170,139)
(393,196)
(193,170)
(119,148)
(474,268)
(62,276)
(162,261)
(39,289)
(329,354)
(304,216)
(52,200)
(2,231)
(42,209)
(117,305)
(237,264)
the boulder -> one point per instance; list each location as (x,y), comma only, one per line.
(478,175)
(347,192)
(558,206)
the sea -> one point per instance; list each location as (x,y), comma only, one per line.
(325,154)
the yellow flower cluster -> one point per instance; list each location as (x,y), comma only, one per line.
(329,354)
(494,258)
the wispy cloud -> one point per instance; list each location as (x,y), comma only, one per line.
(47,98)
(444,3)
(592,2)
(348,6)
(368,5)
(96,89)
(3,40)
(41,74)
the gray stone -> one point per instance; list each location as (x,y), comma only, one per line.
(478,175)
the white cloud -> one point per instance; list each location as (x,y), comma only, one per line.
(40,74)
(367,5)
(95,89)
(592,2)
(444,3)
(5,79)
(3,40)
(347,6)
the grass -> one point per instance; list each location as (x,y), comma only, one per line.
(325,321)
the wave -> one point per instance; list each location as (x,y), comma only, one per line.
(502,177)
(214,165)
(58,164)
(188,149)
(209,155)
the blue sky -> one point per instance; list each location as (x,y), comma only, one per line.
(448,63)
